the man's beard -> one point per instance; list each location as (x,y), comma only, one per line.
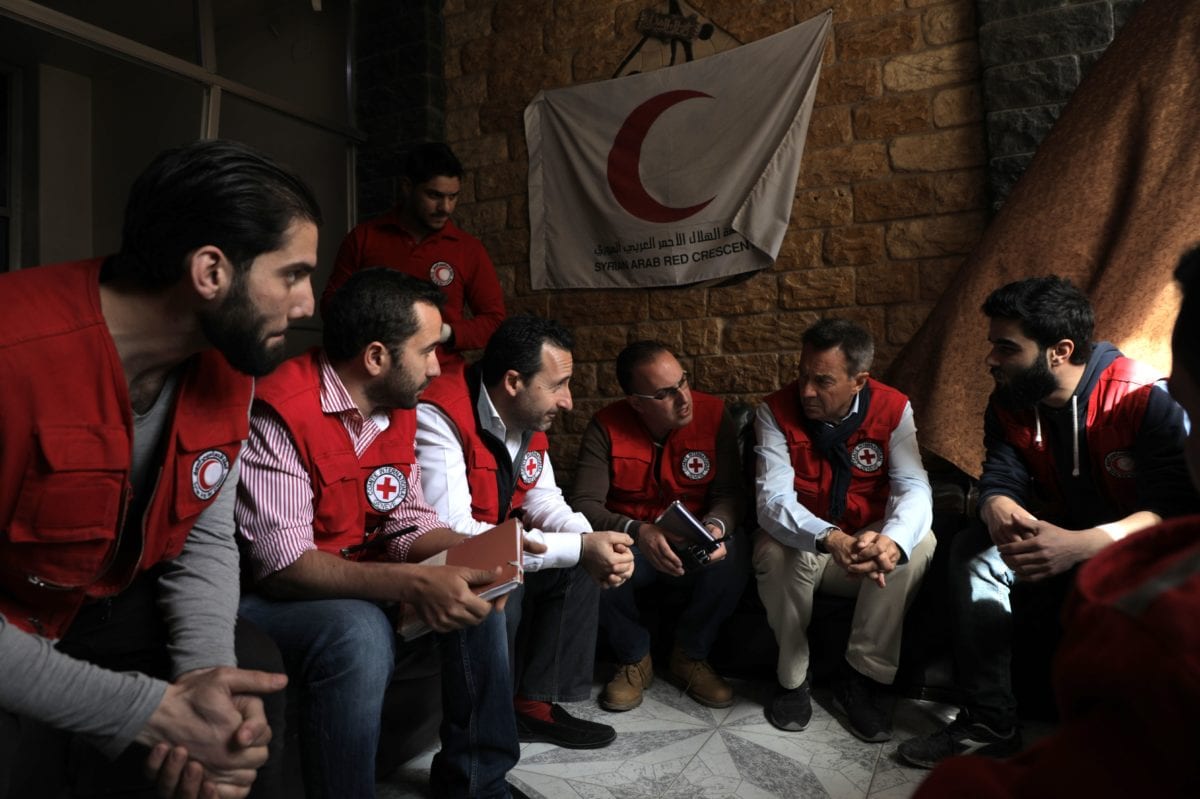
(397,390)
(1027,387)
(238,330)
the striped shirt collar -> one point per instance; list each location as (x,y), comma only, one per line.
(335,398)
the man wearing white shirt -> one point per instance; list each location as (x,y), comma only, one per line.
(484,457)
(845,507)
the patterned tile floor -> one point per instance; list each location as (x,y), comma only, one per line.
(672,747)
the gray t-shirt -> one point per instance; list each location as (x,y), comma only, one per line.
(198,597)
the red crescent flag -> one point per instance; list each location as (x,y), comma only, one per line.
(674,176)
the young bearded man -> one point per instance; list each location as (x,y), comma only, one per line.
(1084,447)
(331,506)
(127,385)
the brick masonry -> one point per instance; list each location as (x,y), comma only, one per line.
(1034,53)
(891,197)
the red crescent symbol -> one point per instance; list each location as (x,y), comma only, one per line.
(625,158)
(202,477)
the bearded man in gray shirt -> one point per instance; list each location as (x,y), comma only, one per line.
(127,388)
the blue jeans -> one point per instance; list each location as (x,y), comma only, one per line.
(715,593)
(982,590)
(552,634)
(340,654)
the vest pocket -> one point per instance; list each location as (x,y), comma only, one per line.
(71,496)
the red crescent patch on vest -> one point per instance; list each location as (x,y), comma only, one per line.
(867,456)
(441,273)
(386,488)
(1120,463)
(208,473)
(695,465)
(531,468)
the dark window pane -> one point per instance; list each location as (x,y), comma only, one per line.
(166,26)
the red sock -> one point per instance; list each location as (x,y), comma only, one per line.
(532,707)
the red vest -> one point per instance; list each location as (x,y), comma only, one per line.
(65,450)
(352,496)
(455,393)
(686,469)
(1114,417)
(870,487)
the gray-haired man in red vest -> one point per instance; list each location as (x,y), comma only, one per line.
(845,507)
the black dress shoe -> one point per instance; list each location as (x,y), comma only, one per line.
(564,730)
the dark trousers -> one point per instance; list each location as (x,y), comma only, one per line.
(990,605)
(125,633)
(552,634)
(715,590)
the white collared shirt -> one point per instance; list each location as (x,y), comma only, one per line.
(548,517)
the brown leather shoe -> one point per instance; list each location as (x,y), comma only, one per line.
(624,690)
(698,679)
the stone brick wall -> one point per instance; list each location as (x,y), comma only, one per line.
(890,199)
(1034,53)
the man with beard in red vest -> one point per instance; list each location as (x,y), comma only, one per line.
(331,506)
(1127,674)
(127,382)
(1084,447)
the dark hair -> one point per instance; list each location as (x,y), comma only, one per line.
(376,304)
(1184,349)
(633,356)
(1049,309)
(428,160)
(212,192)
(854,339)
(517,344)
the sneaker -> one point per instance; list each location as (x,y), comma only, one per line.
(791,709)
(624,690)
(855,697)
(699,681)
(959,737)
(565,730)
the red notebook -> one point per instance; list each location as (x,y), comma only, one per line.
(500,546)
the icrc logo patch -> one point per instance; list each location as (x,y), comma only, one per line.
(386,488)
(441,273)
(695,465)
(867,456)
(531,468)
(208,473)
(1120,463)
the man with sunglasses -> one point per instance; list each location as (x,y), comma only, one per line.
(664,442)
(331,508)
(845,507)
(481,441)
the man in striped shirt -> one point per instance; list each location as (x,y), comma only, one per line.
(331,509)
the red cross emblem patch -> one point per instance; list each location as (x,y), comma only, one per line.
(531,468)
(386,488)
(208,473)
(867,456)
(695,465)
(1120,463)
(441,273)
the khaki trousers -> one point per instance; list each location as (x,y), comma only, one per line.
(787,581)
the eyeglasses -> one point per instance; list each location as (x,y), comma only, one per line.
(671,392)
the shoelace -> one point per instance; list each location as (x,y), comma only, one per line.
(628,670)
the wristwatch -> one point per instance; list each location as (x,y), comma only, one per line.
(819,541)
